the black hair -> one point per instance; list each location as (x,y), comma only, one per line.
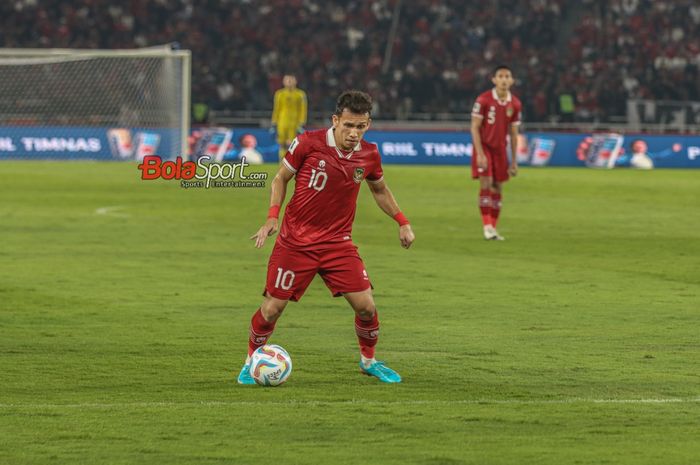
(355,101)
(500,67)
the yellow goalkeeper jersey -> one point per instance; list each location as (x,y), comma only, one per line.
(289,108)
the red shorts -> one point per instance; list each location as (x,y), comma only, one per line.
(290,271)
(497,168)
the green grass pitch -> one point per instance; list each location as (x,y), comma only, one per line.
(575,341)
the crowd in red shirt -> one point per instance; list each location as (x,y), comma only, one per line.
(441,57)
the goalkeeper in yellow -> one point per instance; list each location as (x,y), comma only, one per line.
(288,113)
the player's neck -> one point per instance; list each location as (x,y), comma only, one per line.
(343,151)
(502,94)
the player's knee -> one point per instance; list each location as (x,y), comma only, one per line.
(271,309)
(486,183)
(366,310)
(271,313)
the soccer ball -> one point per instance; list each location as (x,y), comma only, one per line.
(270,365)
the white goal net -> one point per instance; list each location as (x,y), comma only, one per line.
(94,104)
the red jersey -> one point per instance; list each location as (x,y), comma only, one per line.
(497,116)
(322,208)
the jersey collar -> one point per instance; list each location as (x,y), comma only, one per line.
(330,141)
(502,102)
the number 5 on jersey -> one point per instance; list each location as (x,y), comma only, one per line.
(285,279)
(318,179)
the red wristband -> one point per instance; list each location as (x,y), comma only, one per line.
(401,219)
(274,211)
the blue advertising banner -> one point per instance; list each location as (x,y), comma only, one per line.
(545,149)
(604,150)
(85,143)
(427,148)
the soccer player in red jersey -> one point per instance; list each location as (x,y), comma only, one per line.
(315,238)
(495,115)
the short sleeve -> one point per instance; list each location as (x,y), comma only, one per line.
(296,153)
(376,174)
(480,106)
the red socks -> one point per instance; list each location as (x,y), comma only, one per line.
(490,206)
(367,335)
(495,207)
(260,332)
(485,206)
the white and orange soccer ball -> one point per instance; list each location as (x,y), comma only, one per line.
(270,365)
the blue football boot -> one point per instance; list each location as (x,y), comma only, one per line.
(244,377)
(381,372)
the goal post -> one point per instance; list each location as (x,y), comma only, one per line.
(94,104)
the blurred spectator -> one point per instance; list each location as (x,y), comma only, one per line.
(441,56)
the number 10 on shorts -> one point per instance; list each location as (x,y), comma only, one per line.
(285,279)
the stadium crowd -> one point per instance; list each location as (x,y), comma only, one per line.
(441,56)
(648,49)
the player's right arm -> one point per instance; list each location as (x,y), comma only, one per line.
(477,120)
(277,195)
(303,109)
(291,163)
(276,108)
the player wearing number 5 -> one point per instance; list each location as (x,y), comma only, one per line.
(315,238)
(496,114)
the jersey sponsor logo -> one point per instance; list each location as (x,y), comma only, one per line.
(358,175)
(293,145)
(509,111)
(476,108)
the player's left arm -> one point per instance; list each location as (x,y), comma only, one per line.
(513,169)
(513,129)
(304,105)
(386,201)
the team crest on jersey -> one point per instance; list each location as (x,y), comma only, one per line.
(358,175)
(322,164)
(509,112)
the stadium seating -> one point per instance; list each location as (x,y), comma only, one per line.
(441,56)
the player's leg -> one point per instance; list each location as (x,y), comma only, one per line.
(486,206)
(366,322)
(262,324)
(285,135)
(485,177)
(344,273)
(367,330)
(496,194)
(289,273)
(500,176)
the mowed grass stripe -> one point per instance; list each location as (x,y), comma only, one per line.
(574,341)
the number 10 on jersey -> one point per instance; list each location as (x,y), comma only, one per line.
(318,179)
